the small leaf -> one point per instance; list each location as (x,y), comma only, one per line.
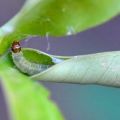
(56,18)
(100,68)
(27,100)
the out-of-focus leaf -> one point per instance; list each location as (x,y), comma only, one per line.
(26,99)
(100,68)
(56,18)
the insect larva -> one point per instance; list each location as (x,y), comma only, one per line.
(26,66)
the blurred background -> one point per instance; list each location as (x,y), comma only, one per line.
(77,102)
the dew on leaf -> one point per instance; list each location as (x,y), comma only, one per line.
(70,30)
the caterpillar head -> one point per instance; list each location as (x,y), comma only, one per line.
(16,48)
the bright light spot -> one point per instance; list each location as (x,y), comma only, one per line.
(48,43)
(70,30)
(56,60)
(7,28)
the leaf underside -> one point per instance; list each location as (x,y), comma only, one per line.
(100,68)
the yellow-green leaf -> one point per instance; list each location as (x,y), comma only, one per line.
(26,99)
(56,18)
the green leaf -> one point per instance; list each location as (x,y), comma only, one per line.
(37,57)
(26,99)
(40,57)
(100,68)
(56,18)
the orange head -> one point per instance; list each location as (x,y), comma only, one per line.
(16,48)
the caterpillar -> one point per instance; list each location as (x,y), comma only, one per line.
(25,65)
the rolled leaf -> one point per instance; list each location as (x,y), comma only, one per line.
(101,68)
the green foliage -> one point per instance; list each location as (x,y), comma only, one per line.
(37,57)
(26,99)
(56,18)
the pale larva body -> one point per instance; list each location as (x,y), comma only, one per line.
(26,66)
